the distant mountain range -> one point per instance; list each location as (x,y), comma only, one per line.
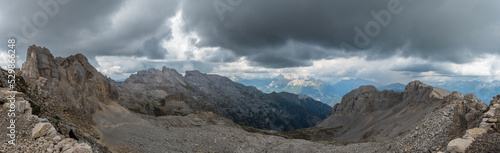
(332,93)
(483,90)
(327,93)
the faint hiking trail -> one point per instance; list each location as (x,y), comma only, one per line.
(121,124)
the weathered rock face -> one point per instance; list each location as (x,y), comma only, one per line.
(71,83)
(487,136)
(43,129)
(422,118)
(158,92)
(32,134)
(68,90)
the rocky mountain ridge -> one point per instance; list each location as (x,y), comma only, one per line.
(172,93)
(422,118)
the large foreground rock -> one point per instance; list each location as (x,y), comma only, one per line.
(43,129)
(474,133)
(459,145)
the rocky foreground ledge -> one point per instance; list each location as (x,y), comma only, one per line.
(486,137)
(33,134)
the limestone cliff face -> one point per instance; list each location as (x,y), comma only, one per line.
(69,83)
(67,90)
(158,92)
(417,119)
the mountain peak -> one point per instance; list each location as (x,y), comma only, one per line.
(193,73)
(167,69)
(424,91)
(36,58)
(367,88)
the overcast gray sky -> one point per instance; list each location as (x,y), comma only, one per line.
(384,40)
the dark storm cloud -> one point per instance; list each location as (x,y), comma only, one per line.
(87,26)
(437,30)
(418,68)
(273,34)
(291,54)
(224,56)
(153,48)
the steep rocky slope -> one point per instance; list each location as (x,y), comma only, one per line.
(166,92)
(31,134)
(422,118)
(68,91)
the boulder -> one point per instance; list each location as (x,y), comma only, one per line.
(474,133)
(66,144)
(21,106)
(80,148)
(458,145)
(486,126)
(490,112)
(496,105)
(492,120)
(43,129)
(56,138)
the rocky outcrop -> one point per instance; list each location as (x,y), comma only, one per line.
(158,92)
(34,134)
(459,145)
(422,118)
(43,129)
(68,91)
(71,84)
(486,137)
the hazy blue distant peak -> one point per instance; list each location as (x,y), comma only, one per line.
(398,87)
(482,89)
